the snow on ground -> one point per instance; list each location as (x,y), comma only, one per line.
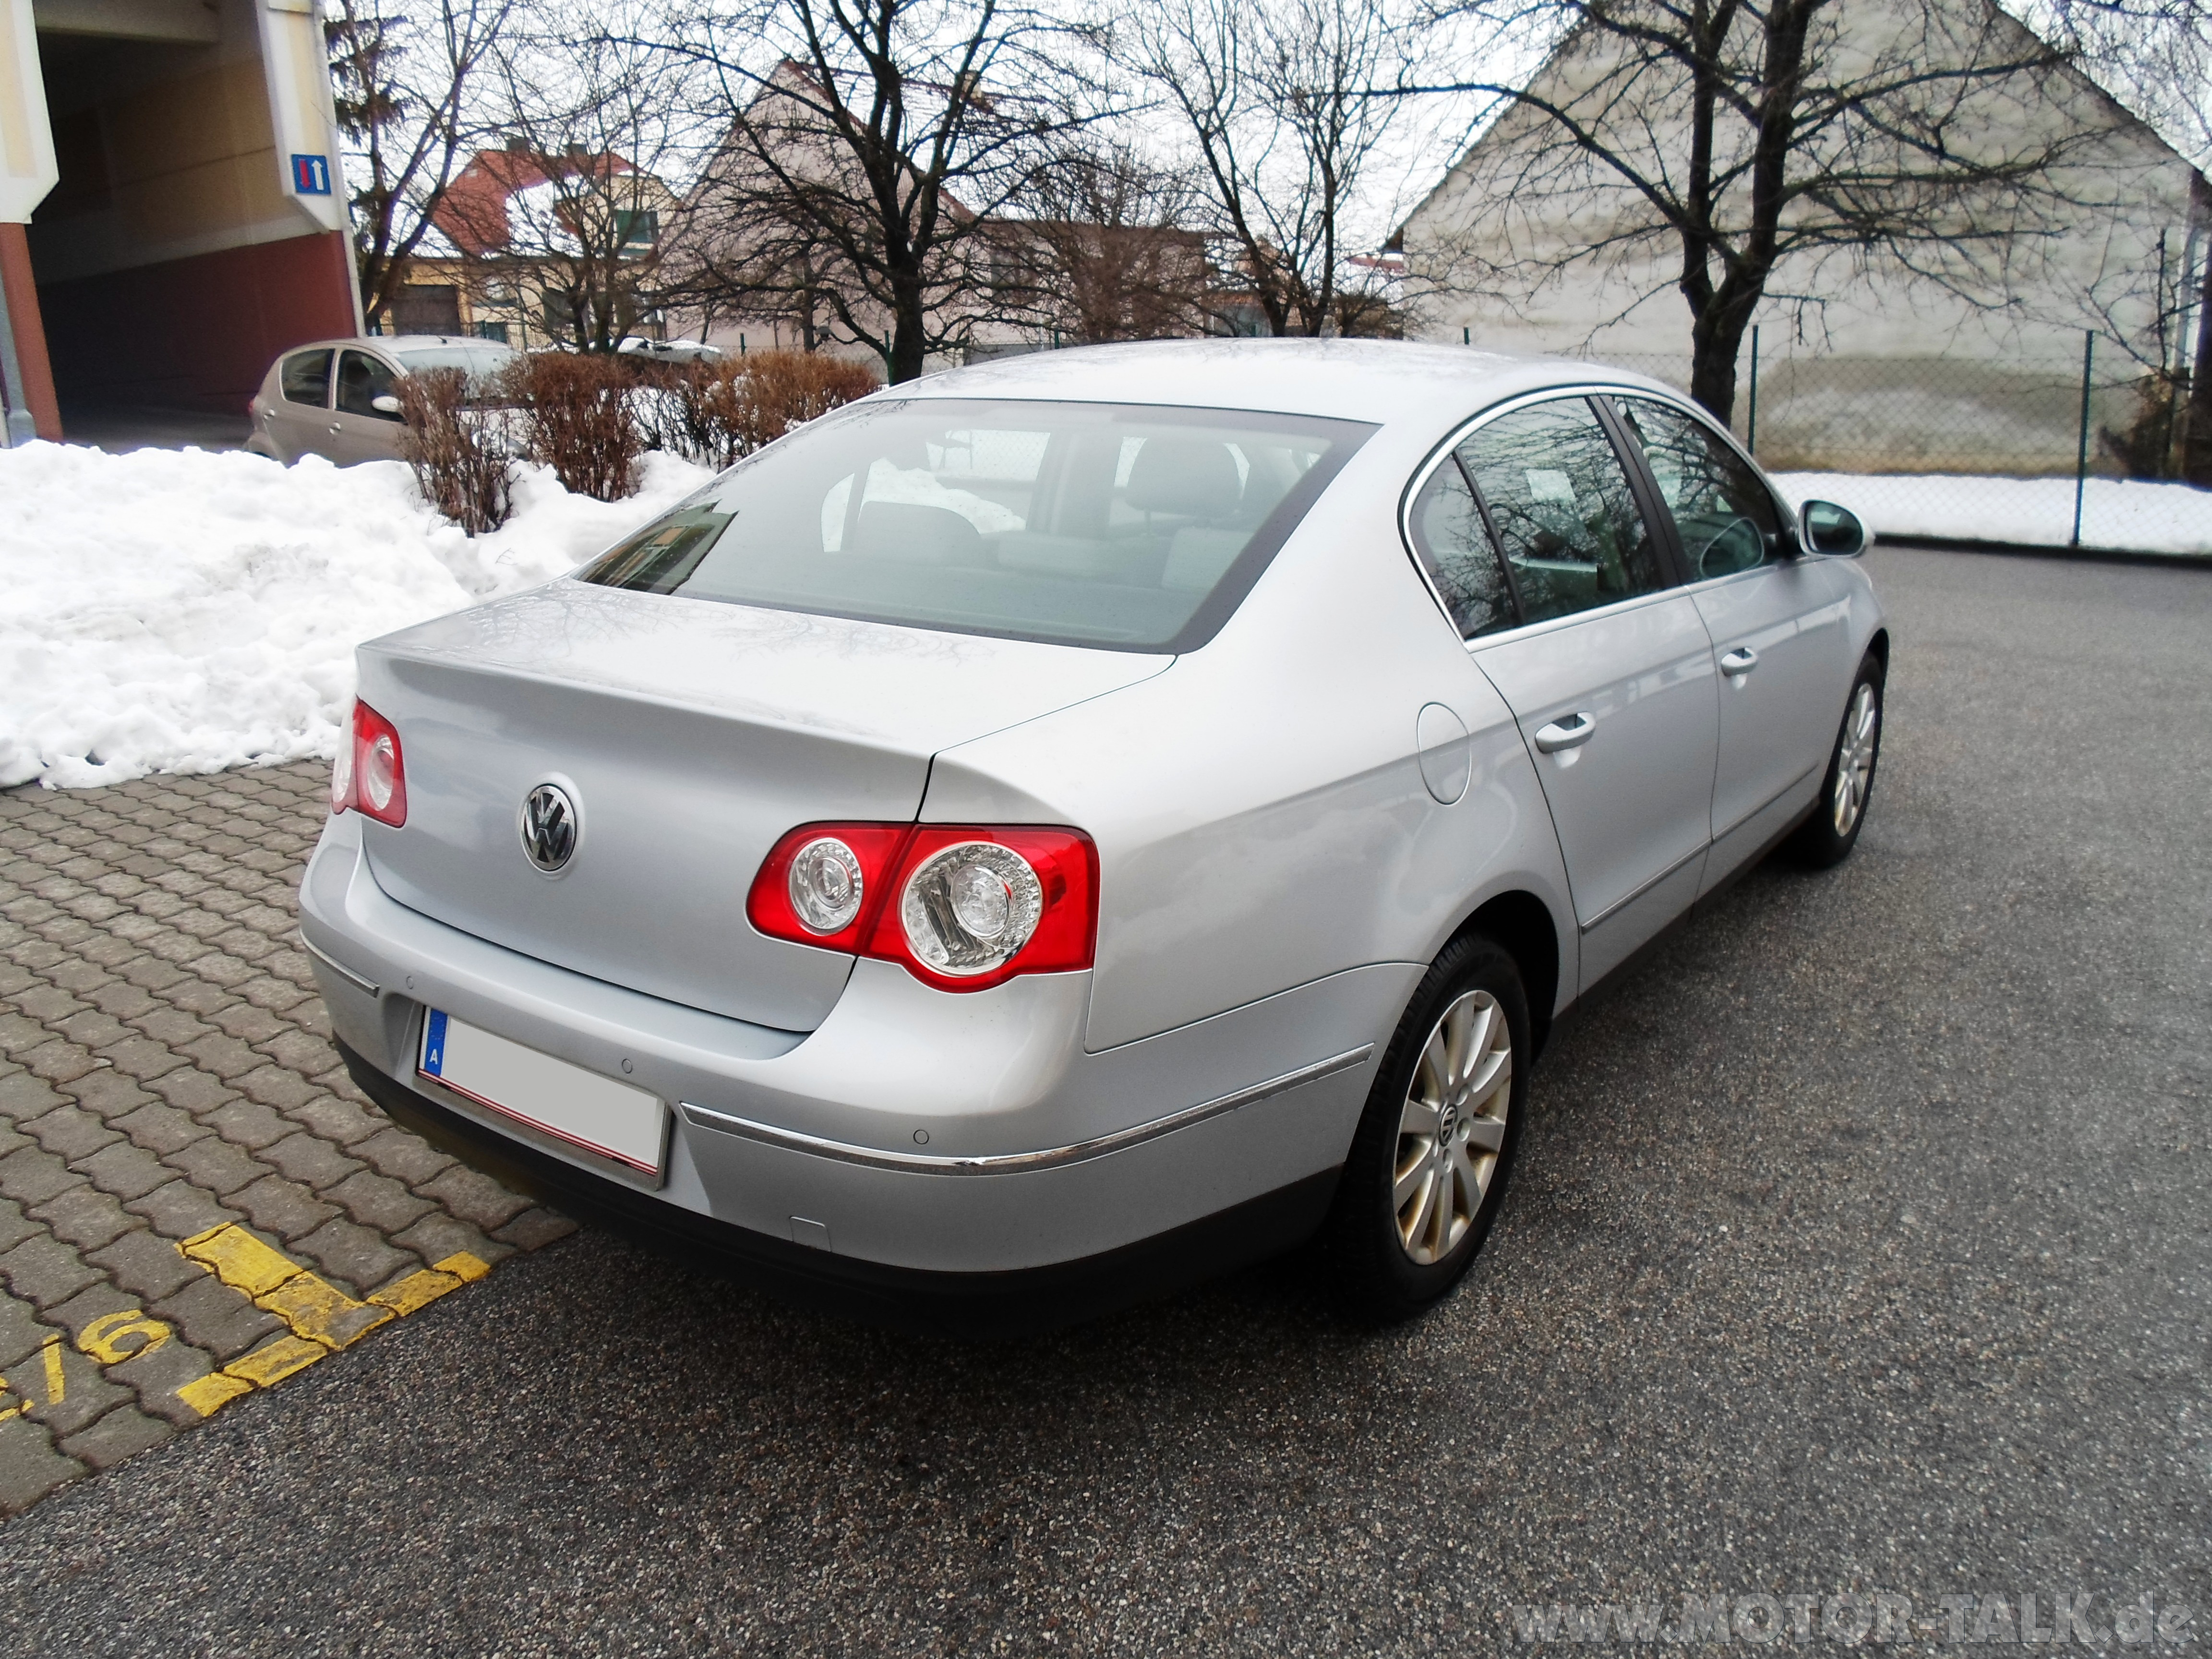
(2129,514)
(183,611)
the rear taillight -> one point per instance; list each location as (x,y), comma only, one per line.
(960,906)
(371,773)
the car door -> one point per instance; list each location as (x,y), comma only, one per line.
(1776,620)
(298,420)
(1609,670)
(360,430)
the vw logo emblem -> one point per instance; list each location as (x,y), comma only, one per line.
(549,827)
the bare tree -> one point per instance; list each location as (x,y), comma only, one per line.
(1723,143)
(1102,252)
(402,85)
(868,146)
(2156,57)
(577,219)
(1275,98)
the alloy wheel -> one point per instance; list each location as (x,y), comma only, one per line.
(1855,758)
(1452,1127)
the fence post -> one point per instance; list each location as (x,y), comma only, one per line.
(2081,453)
(1751,420)
(1467,334)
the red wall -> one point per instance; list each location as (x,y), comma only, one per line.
(195,333)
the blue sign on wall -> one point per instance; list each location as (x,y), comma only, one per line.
(311,175)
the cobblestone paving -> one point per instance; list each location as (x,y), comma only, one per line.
(195,1201)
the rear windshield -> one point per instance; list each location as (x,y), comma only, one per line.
(1135,527)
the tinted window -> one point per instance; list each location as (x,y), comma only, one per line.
(1084,523)
(1449,534)
(362,380)
(1560,502)
(306,378)
(1725,515)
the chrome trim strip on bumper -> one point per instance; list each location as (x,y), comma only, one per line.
(704,1117)
(339,967)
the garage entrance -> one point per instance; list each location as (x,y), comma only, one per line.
(193,225)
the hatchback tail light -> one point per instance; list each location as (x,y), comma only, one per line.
(371,773)
(960,906)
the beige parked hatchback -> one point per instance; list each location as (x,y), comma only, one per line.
(340,398)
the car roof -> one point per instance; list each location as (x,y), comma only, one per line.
(1375,380)
(398,341)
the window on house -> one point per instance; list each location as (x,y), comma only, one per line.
(638,229)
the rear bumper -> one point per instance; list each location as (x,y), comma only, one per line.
(959,1137)
(980,1305)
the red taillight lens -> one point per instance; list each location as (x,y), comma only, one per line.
(787,886)
(962,908)
(376,782)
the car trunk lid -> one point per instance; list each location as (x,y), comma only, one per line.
(691,735)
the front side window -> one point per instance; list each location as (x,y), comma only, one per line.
(1129,527)
(1723,513)
(306,378)
(1559,501)
(362,380)
(1456,550)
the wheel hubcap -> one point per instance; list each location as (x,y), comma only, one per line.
(1452,1127)
(1854,759)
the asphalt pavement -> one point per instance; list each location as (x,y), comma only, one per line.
(1859,1246)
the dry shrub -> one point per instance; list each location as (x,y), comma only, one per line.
(727,410)
(577,419)
(459,459)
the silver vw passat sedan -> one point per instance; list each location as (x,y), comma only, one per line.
(1078,822)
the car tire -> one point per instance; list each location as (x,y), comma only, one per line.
(1826,838)
(1392,1257)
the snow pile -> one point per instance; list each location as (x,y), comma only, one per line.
(184,611)
(2128,514)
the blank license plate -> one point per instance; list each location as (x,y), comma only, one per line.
(596,1113)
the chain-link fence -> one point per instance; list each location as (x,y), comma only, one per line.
(2043,451)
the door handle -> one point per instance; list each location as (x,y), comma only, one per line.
(1741,660)
(1571,733)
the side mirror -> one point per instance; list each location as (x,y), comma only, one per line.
(386,404)
(1830,530)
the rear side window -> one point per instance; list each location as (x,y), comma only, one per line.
(1128,526)
(1456,548)
(1560,502)
(306,378)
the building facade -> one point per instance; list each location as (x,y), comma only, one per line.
(173,213)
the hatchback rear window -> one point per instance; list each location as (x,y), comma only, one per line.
(1129,527)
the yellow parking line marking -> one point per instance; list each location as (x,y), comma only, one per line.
(273,1362)
(321,1318)
(56,1385)
(238,1258)
(420,1290)
(217,1389)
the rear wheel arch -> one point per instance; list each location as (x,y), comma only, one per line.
(1878,648)
(1522,926)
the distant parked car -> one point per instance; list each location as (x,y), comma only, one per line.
(670,351)
(340,398)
